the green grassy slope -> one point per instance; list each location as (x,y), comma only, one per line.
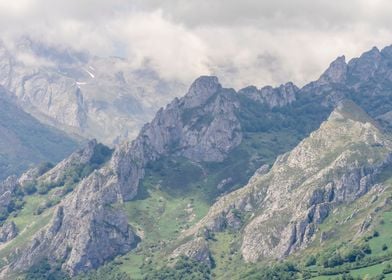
(25,141)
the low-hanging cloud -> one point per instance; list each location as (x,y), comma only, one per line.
(242,42)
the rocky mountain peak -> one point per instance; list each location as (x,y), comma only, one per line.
(273,97)
(201,90)
(335,164)
(336,72)
(387,51)
(367,66)
(374,52)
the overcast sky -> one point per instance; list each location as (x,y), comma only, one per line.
(243,42)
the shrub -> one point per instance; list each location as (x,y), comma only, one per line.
(43,270)
(44,167)
(387,269)
(185,268)
(333,261)
(311,261)
(30,188)
(44,187)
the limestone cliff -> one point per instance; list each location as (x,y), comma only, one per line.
(335,165)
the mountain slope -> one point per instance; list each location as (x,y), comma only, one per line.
(201,148)
(25,141)
(335,165)
(102,98)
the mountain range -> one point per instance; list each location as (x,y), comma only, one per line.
(259,183)
(26,142)
(92,97)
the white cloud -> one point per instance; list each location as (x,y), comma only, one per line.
(243,42)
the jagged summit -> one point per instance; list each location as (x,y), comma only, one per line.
(336,164)
(201,90)
(336,72)
(273,97)
(387,51)
(201,150)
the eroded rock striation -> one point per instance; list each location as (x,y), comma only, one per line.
(8,231)
(86,229)
(278,212)
(335,165)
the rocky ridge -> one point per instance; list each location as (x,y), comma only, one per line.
(336,164)
(205,126)
(84,224)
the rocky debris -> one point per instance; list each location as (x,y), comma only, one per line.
(7,189)
(196,249)
(325,235)
(365,224)
(8,231)
(273,97)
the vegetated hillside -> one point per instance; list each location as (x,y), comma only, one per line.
(153,198)
(280,212)
(24,141)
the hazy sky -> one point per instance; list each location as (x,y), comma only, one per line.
(243,42)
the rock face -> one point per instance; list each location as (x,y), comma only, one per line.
(273,97)
(201,126)
(79,158)
(196,249)
(8,232)
(336,73)
(7,189)
(86,230)
(103,98)
(278,212)
(336,165)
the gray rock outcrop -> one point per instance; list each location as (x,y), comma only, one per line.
(8,231)
(336,165)
(272,97)
(86,230)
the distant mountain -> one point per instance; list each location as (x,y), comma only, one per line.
(221,184)
(24,141)
(102,98)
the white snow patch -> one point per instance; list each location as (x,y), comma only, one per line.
(91,74)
